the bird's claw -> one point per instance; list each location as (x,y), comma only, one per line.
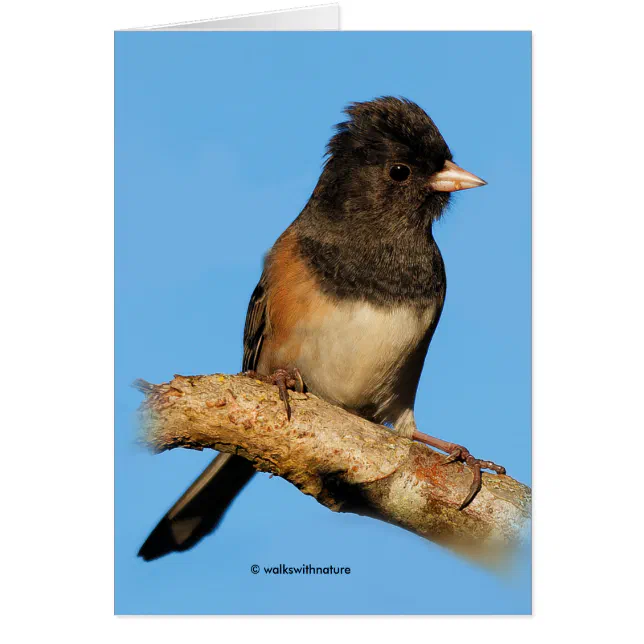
(460,453)
(283,379)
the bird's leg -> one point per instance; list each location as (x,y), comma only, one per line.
(459,453)
(284,379)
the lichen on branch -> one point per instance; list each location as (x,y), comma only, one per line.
(345,462)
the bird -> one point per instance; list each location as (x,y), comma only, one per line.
(349,297)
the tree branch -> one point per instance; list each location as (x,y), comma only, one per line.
(345,462)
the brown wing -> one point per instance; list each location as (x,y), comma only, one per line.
(255,326)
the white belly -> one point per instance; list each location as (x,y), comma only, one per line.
(353,355)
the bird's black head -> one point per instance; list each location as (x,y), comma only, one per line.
(389,163)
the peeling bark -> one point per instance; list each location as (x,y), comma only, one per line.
(345,462)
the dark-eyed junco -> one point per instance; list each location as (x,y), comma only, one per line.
(350,295)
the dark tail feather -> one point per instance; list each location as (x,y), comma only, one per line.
(200,509)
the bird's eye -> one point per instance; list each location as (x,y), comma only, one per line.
(399,172)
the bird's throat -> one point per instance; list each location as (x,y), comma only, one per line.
(381,270)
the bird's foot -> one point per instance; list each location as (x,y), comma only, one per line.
(283,379)
(459,453)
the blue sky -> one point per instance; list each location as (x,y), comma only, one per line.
(219,143)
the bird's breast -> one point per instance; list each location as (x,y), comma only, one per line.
(358,337)
(357,354)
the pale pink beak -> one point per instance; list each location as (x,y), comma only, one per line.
(452,178)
